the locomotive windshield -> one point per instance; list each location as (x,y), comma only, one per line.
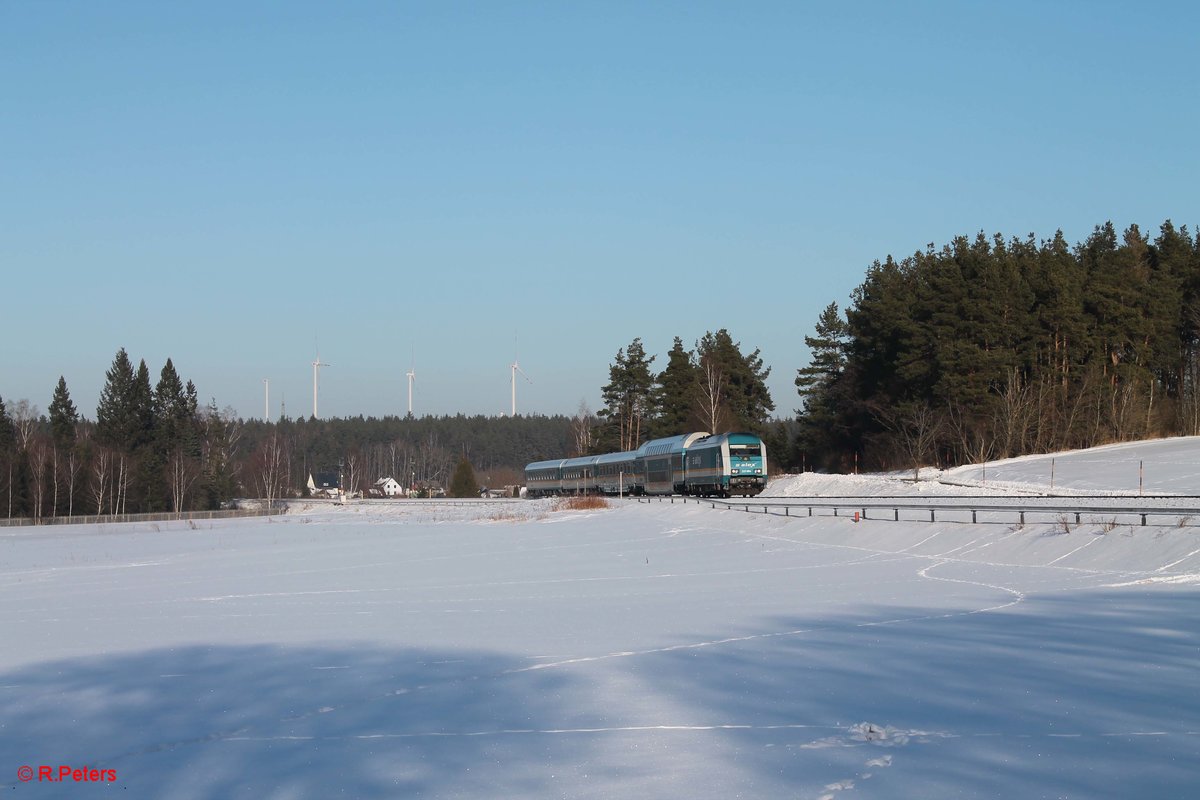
(744,451)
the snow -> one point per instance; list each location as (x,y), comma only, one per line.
(1160,467)
(506,649)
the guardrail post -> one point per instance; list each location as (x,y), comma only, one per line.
(1076,517)
(787,511)
(835,511)
(810,511)
(1143,520)
(864,512)
(972,516)
(931,519)
(1022,517)
(896,511)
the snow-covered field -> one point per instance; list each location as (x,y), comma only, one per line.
(1160,467)
(647,650)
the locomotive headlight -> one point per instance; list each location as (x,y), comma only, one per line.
(758,472)
(735,472)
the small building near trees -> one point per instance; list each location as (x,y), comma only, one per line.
(386,487)
(324,484)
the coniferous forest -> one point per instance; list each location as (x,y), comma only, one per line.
(982,348)
(989,348)
(153,448)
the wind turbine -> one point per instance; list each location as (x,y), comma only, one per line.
(516,367)
(412,376)
(266,399)
(316,365)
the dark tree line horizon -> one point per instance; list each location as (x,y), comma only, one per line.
(982,348)
(992,347)
(153,448)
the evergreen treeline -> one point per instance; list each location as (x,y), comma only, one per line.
(150,449)
(995,348)
(984,348)
(416,451)
(153,448)
(712,387)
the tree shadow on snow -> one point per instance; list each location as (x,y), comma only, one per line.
(276,721)
(1088,694)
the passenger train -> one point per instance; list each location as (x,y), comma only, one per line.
(699,464)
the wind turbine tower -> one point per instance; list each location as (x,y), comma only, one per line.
(266,399)
(316,365)
(516,367)
(412,376)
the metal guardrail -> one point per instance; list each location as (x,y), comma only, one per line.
(963,509)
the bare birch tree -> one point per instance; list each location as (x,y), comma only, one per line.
(121,485)
(270,468)
(711,399)
(24,416)
(182,473)
(354,463)
(73,465)
(581,430)
(54,481)
(101,476)
(39,464)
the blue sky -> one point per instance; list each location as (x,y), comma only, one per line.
(227,184)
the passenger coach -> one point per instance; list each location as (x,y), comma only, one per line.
(692,463)
(663,463)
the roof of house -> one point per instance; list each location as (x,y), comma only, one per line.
(325,480)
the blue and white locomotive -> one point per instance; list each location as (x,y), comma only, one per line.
(700,464)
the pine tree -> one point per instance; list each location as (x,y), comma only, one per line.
(176,448)
(8,432)
(169,408)
(463,483)
(828,349)
(115,416)
(64,459)
(676,393)
(190,436)
(148,490)
(1058,342)
(884,339)
(818,384)
(733,392)
(8,439)
(1181,253)
(627,399)
(63,417)
(142,397)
